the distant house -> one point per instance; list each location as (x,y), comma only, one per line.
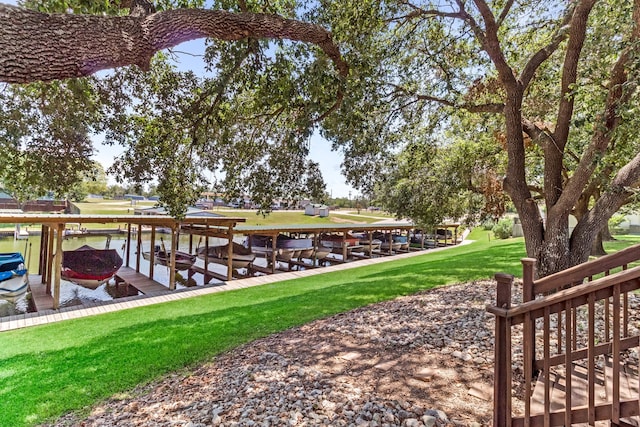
(43,204)
(313,209)
(302,204)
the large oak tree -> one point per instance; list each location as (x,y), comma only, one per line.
(559,78)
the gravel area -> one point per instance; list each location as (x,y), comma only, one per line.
(421,360)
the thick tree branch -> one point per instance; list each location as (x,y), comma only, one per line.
(606,124)
(615,196)
(505,11)
(41,47)
(490,41)
(537,134)
(570,69)
(543,54)
(574,26)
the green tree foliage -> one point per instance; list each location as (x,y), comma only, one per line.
(93,181)
(458,180)
(249,124)
(559,80)
(252,120)
(315,186)
(555,85)
(45,137)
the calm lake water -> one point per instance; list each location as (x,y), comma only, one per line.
(72,294)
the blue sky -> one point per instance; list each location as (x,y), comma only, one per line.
(320,149)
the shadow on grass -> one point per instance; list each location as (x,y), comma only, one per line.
(118,351)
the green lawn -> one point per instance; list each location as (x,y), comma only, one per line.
(124,207)
(49,370)
(295,217)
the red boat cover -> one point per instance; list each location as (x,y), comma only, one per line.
(89,263)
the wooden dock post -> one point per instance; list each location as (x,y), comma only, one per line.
(152,253)
(58,268)
(230,254)
(50,260)
(172,261)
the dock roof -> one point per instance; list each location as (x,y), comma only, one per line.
(158,220)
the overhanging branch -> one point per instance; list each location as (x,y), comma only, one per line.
(36,46)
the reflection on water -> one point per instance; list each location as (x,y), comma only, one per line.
(13,306)
(73,294)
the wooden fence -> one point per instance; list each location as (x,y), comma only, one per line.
(577,345)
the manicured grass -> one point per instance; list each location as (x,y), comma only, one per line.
(49,370)
(295,217)
(124,207)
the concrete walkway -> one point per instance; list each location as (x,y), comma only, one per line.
(75,312)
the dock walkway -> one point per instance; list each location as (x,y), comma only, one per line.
(144,284)
(75,312)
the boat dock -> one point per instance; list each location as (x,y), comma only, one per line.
(46,316)
(130,279)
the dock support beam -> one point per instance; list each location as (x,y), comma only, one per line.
(230,254)
(172,261)
(58,268)
(152,253)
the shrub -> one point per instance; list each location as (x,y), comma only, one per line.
(488,224)
(502,229)
(614,224)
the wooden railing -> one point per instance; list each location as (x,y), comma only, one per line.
(566,322)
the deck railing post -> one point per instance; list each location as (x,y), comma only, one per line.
(528,294)
(502,368)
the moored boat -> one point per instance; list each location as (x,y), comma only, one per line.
(336,240)
(287,248)
(403,240)
(90,267)
(184,260)
(385,246)
(293,248)
(14,279)
(320,253)
(369,247)
(242,257)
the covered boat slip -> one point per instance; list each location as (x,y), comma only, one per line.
(341,235)
(343,246)
(53,234)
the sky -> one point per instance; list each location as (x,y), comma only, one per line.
(320,149)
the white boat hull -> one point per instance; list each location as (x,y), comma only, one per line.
(14,287)
(87,283)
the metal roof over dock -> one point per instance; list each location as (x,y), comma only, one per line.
(157,220)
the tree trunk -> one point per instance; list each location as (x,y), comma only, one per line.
(606,234)
(597,249)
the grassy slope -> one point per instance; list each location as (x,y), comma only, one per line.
(49,370)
